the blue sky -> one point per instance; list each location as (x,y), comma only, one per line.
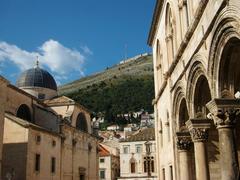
(72,38)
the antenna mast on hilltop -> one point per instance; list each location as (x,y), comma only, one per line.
(125,48)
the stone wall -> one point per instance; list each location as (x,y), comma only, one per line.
(198,53)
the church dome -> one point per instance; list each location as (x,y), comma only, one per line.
(36,77)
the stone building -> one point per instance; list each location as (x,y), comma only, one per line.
(138,156)
(196,46)
(46,136)
(3,85)
(109,166)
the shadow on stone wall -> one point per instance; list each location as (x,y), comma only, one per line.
(213,153)
(14,161)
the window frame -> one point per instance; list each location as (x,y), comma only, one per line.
(138,146)
(53,165)
(37,162)
(102,160)
(126,147)
(104,174)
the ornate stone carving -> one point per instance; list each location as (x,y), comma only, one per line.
(199,134)
(224,112)
(225,118)
(198,129)
(184,143)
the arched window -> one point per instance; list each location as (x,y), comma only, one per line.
(184,15)
(133,165)
(23,112)
(152,164)
(159,64)
(145,166)
(81,123)
(183,114)
(170,34)
(148,164)
(202,96)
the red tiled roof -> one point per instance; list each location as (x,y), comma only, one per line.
(103,151)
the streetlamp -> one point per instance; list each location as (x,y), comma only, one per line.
(148,145)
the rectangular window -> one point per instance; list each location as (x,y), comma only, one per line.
(53,165)
(41,96)
(102,174)
(37,162)
(152,165)
(171,172)
(163,174)
(101,160)
(138,148)
(145,166)
(82,177)
(133,167)
(126,149)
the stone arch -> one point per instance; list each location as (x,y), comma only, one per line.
(24,112)
(201,97)
(197,74)
(226,32)
(81,123)
(171,33)
(180,109)
(223,67)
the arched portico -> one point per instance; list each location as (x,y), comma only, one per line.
(203,133)
(224,69)
(225,44)
(197,86)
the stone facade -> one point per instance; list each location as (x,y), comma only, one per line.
(196,69)
(109,166)
(45,139)
(3,91)
(135,161)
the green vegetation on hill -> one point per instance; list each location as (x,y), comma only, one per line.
(117,96)
(122,89)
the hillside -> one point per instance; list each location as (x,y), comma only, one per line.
(124,88)
(137,66)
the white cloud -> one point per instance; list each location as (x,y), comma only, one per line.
(61,60)
(86,50)
(21,58)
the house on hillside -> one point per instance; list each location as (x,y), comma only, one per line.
(138,156)
(147,120)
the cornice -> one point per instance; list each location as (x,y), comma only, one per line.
(156,16)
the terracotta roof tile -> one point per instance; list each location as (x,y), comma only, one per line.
(103,151)
(145,134)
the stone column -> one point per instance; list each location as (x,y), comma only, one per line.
(184,143)
(198,129)
(225,112)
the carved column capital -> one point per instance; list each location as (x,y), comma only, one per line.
(198,129)
(225,118)
(199,134)
(184,141)
(224,112)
